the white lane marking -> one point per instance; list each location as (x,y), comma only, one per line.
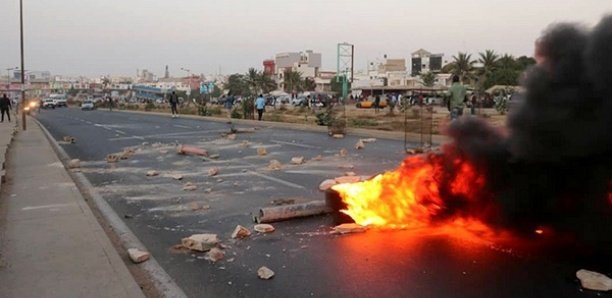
(182,126)
(46,206)
(281,181)
(120,132)
(295,144)
(170,134)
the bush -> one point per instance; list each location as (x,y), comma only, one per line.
(235,114)
(149,106)
(276,117)
(363,122)
(248,108)
(324,118)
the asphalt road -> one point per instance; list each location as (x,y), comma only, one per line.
(307,259)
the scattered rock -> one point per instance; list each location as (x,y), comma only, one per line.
(265,272)
(264,228)
(275,165)
(163,151)
(138,256)
(245,144)
(152,173)
(194,206)
(69,139)
(200,242)
(369,140)
(359,145)
(215,254)
(338,136)
(347,179)
(261,151)
(297,160)
(111,158)
(346,166)
(185,149)
(74,164)
(156,145)
(214,156)
(343,152)
(231,136)
(177,177)
(317,158)
(241,232)
(213,171)
(326,184)
(414,151)
(594,280)
(349,228)
(349,174)
(189,186)
(127,216)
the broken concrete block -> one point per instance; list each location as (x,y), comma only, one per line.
(185,149)
(338,136)
(200,242)
(264,228)
(163,152)
(74,163)
(349,228)
(369,140)
(347,179)
(231,136)
(343,152)
(265,272)
(297,160)
(241,232)
(152,173)
(261,151)
(177,177)
(213,171)
(346,166)
(138,256)
(214,156)
(245,144)
(359,145)
(214,254)
(326,184)
(194,206)
(594,280)
(317,158)
(349,174)
(111,158)
(275,165)
(414,151)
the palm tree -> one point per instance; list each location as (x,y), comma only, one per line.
(293,81)
(463,65)
(489,60)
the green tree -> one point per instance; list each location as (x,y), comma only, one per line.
(463,66)
(237,85)
(336,85)
(489,60)
(293,81)
(428,78)
(308,84)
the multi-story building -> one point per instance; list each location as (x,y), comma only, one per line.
(424,61)
(308,63)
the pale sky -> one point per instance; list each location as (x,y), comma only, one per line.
(116,37)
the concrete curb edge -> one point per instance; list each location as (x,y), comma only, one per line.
(162,281)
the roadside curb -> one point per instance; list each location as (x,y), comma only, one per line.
(7,146)
(362,132)
(164,284)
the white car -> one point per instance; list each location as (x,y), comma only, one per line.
(88,105)
(48,103)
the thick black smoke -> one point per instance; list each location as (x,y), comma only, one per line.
(554,167)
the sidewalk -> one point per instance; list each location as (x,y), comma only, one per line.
(50,242)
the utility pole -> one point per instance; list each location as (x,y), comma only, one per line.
(23,101)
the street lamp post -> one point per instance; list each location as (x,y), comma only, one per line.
(23,102)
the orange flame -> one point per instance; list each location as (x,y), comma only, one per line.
(411,196)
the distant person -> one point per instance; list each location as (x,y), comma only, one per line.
(5,106)
(260,106)
(376,103)
(456,95)
(173,100)
(110,103)
(473,101)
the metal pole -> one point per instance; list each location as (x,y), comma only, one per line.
(23,101)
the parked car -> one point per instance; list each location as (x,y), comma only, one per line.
(299,101)
(60,100)
(366,104)
(48,103)
(88,105)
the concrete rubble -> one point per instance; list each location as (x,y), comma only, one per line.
(350,174)
(343,152)
(240,232)
(264,228)
(326,184)
(349,228)
(112,158)
(368,140)
(195,206)
(189,186)
(231,136)
(275,165)
(191,150)
(176,176)
(69,139)
(594,280)
(265,273)
(138,256)
(200,242)
(347,179)
(215,254)
(338,136)
(152,173)
(297,160)
(261,151)
(317,158)
(74,164)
